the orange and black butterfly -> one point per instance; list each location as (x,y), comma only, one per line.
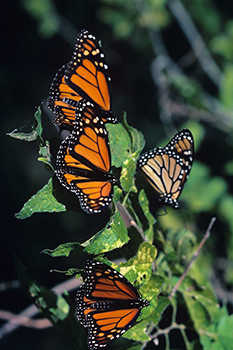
(167,168)
(84,161)
(107,304)
(62,100)
(85,76)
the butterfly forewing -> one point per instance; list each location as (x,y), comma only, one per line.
(107,304)
(87,74)
(167,168)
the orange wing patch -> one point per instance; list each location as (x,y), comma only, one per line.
(62,100)
(87,74)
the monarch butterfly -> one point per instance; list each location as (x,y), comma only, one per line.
(62,100)
(107,304)
(84,160)
(85,76)
(167,168)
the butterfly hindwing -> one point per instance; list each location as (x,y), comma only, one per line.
(167,168)
(107,304)
(84,160)
(62,100)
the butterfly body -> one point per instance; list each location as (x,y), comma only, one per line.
(84,160)
(123,304)
(107,304)
(167,168)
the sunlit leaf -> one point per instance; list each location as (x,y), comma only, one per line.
(127,173)
(138,332)
(144,203)
(140,265)
(119,143)
(43,201)
(113,236)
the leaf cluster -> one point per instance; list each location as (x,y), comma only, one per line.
(156,264)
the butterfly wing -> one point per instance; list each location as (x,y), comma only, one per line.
(62,100)
(107,304)
(84,160)
(87,74)
(167,168)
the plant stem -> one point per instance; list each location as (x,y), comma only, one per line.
(195,255)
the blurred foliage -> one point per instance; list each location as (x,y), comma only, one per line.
(165,80)
(45,13)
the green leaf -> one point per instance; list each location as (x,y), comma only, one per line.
(64,249)
(183,242)
(218,336)
(69,272)
(45,155)
(149,314)
(138,332)
(201,293)
(35,134)
(150,289)
(119,143)
(137,143)
(203,310)
(127,142)
(198,312)
(43,201)
(62,308)
(225,328)
(144,203)
(136,136)
(140,265)
(127,173)
(227,86)
(113,236)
